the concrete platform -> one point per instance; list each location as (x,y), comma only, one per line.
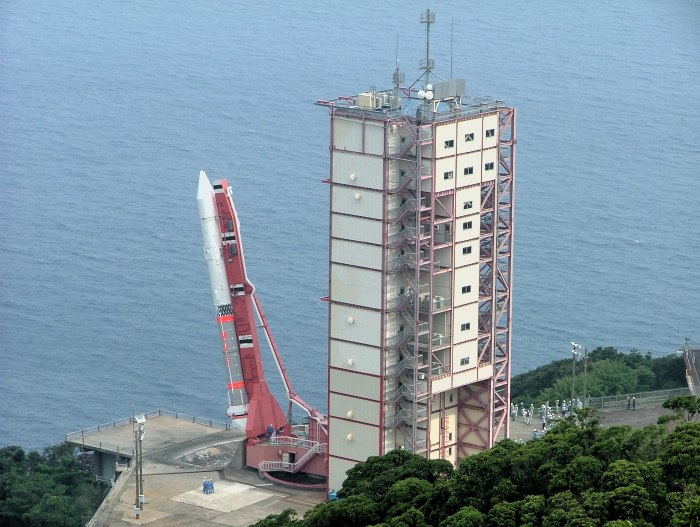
(178,454)
(174,497)
(162,431)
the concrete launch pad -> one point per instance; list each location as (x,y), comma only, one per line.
(178,454)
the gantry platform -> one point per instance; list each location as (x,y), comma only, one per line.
(178,452)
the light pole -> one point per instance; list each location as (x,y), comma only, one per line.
(579,350)
(573,372)
(139,435)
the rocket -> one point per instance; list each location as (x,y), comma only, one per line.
(251,405)
(220,290)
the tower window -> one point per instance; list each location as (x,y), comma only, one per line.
(449,175)
(464,361)
(449,451)
(466,225)
(488,166)
(467,249)
(468,171)
(465,326)
(449,436)
(468,137)
(466,289)
(450,143)
(467,205)
(490,133)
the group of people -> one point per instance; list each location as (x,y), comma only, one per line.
(272,431)
(207,485)
(546,412)
(631,403)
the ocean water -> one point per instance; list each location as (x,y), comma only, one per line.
(108,110)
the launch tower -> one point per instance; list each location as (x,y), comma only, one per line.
(420,270)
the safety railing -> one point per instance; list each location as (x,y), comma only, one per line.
(641,398)
(72,436)
(285,466)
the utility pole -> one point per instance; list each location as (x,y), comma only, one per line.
(139,434)
(579,350)
(573,372)
(585,376)
(137,509)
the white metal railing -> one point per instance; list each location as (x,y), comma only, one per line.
(72,436)
(292,441)
(285,466)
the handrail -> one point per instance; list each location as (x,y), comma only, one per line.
(285,466)
(153,413)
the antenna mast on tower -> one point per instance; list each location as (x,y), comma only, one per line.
(427,63)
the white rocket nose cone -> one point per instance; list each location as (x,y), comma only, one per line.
(205,196)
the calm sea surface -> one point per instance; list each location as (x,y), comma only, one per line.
(108,110)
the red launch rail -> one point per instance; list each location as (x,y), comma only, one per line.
(237,307)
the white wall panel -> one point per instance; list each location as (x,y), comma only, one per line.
(355,357)
(465,377)
(468,201)
(461,259)
(353,253)
(485,372)
(444,133)
(358,202)
(358,170)
(470,163)
(347,134)
(355,324)
(353,440)
(352,285)
(465,277)
(469,127)
(442,385)
(355,384)
(374,138)
(357,229)
(465,315)
(467,228)
(337,472)
(465,350)
(354,409)
(445,174)
(490,123)
(488,157)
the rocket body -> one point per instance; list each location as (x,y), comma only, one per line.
(221,293)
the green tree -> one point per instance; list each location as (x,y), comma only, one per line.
(53,511)
(410,518)
(621,473)
(286,518)
(686,407)
(630,503)
(379,473)
(504,514)
(464,517)
(680,457)
(531,511)
(404,495)
(577,475)
(355,511)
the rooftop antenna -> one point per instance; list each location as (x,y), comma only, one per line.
(452,39)
(398,77)
(427,64)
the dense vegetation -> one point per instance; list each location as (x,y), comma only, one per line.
(578,475)
(49,489)
(609,373)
